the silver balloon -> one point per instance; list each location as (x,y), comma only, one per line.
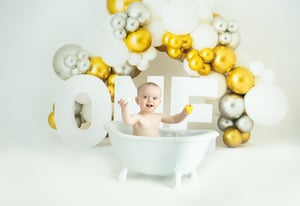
(225,38)
(70,60)
(139,11)
(232,26)
(132,24)
(224,123)
(118,22)
(120,33)
(219,24)
(244,123)
(231,106)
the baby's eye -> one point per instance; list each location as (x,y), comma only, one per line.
(154,98)
(145,97)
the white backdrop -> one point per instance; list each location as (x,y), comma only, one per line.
(33,30)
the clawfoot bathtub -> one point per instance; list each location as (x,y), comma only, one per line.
(175,152)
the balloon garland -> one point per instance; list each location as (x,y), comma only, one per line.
(203,41)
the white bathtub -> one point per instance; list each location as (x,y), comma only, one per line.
(175,152)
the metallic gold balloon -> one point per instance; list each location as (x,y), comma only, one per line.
(51,120)
(111,79)
(232,137)
(205,69)
(138,41)
(192,53)
(99,68)
(240,80)
(111,89)
(175,42)
(174,53)
(245,137)
(166,38)
(207,54)
(196,63)
(187,41)
(114,6)
(224,59)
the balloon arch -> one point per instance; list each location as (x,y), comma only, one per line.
(205,43)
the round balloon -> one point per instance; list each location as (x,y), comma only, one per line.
(266,104)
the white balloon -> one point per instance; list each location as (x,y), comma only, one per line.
(204,11)
(156,30)
(156,11)
(150,54)
(268,76)
(222,87)
(266,104)
(235,40)
(180,17)
(143,65)
(134,58)
(256,68)
(113,51)
(204,37)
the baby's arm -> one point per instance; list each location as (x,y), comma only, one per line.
(178,117)
(127,118)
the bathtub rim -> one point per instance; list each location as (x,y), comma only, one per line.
(208,134)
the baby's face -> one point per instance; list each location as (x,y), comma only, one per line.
(148,98)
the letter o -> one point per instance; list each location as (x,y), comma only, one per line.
(101,113)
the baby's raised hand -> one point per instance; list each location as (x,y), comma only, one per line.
(188,109)
(122,102)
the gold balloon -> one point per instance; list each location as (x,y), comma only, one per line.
(166,38)
(51,120)
(175,42)
(111,79)
(187,41)
(192,53)
(174,53)
(196,63)
(114,6)
(232,137)
(245,137)
(111,89)
(224,59)
(207,54)
(138,41)
(98,68)
(205,70)
(240,80)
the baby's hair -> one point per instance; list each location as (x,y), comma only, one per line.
(147,84)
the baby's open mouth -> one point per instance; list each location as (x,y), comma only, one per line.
(149,105)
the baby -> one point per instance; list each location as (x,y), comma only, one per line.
(146,122)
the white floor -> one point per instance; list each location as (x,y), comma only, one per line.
(265,171)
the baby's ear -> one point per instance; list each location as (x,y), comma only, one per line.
(137,100)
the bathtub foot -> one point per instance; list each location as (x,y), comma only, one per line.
(177,179)
(123,174)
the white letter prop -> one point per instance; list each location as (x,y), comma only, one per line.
(101,113)
(185,87)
